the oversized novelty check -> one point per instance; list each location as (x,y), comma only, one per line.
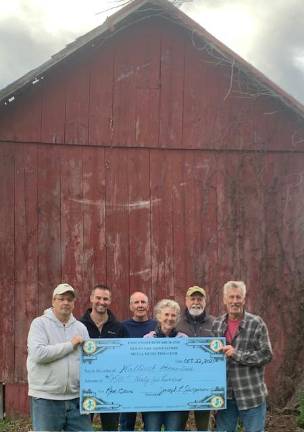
(152,374)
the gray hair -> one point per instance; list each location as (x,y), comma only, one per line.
(138,292)
(166,303)
(235,284)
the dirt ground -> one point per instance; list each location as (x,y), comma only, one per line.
(278,421)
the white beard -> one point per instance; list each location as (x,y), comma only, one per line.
(196,311)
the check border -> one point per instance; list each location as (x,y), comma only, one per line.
(112,370)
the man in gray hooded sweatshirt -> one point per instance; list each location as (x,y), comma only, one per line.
(54,342)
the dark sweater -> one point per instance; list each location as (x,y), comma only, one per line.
(137,329)
(111,329)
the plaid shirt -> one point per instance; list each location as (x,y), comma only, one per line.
(245,369)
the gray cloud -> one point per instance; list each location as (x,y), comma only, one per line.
(22,48)
(278,41)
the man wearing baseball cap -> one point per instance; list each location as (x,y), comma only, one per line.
(196,322)
(54,342)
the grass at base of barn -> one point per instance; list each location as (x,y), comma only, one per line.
(277,421)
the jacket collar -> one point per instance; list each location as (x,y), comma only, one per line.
(224,320)
(87,316)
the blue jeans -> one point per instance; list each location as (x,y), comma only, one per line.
(253,419)
(127,421)
(58,415)
(172,420)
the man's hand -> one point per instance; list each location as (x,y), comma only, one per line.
(77,340)
(228,350)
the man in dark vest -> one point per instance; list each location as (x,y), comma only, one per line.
(196,322)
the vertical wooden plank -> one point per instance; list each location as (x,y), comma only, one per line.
(280,181)
(161,226)
(77,104)
(53,107)
(252,207)
(147,61)
(124,107)
(178,198)
(26,253)
(49,211)
(172,86)
(94,248)
(72,217)
(1,401)
(101,96)
(16,400)
(201,261)
(147,118)
(117,227)
(139,221)
(7,258)
(228,223)
(194,106)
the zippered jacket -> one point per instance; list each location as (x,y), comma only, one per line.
(195,326)
(112,328)
(53,363)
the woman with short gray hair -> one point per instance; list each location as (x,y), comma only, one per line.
(167,313)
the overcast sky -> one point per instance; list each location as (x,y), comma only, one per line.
(267,33)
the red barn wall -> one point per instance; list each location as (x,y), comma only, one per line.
(145,163)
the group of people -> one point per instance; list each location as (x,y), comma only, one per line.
(55,339)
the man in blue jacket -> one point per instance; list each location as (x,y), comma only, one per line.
(54,342)
(139,325)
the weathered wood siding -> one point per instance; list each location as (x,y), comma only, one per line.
(143,163)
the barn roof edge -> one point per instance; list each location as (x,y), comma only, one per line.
(8,93)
